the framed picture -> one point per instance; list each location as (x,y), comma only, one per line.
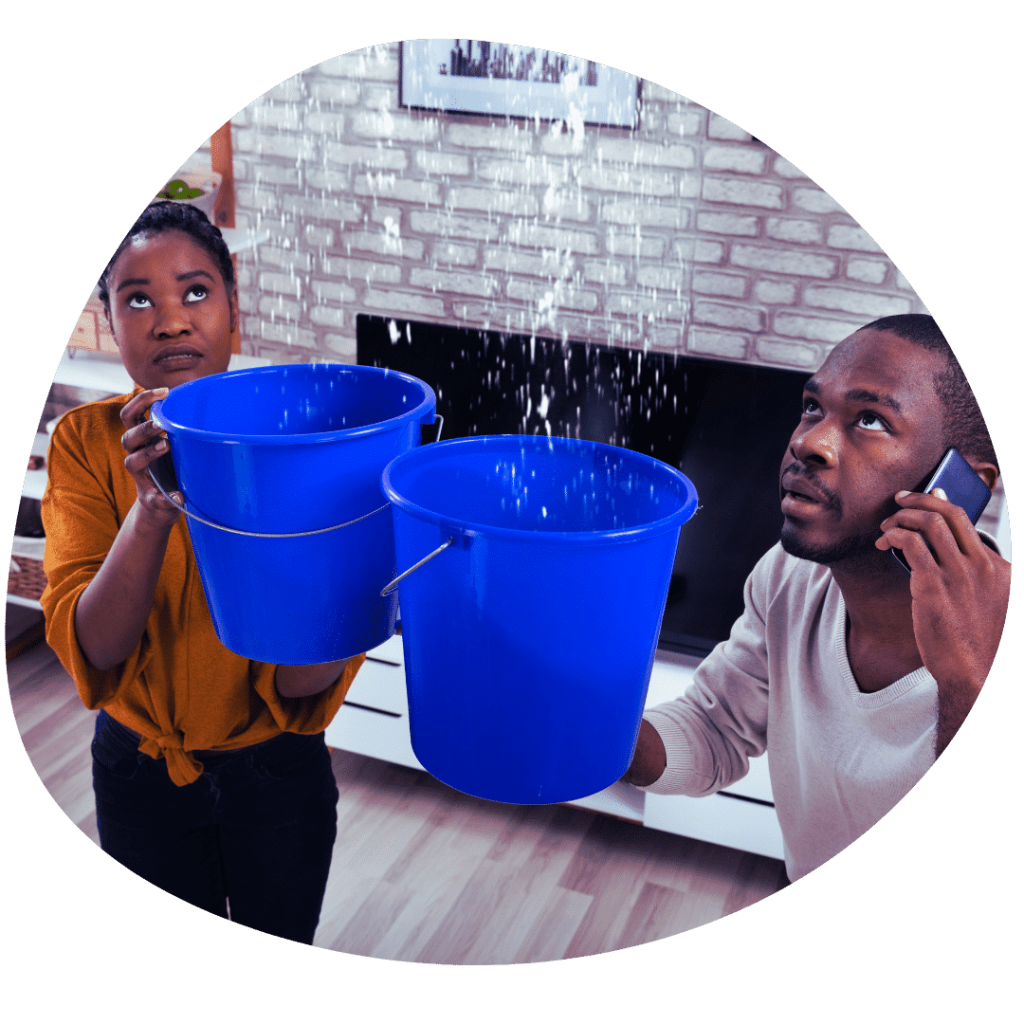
(474,76)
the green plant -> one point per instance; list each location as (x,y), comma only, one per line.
(179,189)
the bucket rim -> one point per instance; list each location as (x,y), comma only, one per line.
(423,411)
(672,521)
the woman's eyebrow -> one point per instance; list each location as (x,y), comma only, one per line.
(131,282)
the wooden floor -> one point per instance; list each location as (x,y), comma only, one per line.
(423,873)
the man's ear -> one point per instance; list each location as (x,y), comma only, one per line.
(986,470)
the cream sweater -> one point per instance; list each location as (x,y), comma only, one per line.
(839,759)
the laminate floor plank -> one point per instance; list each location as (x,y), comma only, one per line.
(424,873)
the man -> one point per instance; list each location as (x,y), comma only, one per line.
(852,674)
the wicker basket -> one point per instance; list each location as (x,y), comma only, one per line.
(30,581)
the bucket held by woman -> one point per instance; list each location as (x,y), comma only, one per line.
(280,470)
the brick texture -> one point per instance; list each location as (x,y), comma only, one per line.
(686,235)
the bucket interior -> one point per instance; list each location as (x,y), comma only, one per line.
(538,485)
(294,401)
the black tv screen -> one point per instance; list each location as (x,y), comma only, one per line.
(724,425)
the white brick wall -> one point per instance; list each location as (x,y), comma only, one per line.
(687,234)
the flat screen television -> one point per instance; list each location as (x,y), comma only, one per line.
(724,425)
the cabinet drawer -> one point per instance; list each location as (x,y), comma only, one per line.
(721,819)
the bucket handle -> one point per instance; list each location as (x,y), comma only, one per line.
(247,533)
(306,533)
(412,568)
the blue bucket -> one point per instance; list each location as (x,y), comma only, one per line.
(535,576)
(280,470)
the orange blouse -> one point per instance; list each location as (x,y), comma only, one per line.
(181,688)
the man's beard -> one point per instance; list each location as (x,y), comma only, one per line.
(843,550)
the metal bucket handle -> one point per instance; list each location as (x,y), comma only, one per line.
(247,533)
(412,568)
(439,419)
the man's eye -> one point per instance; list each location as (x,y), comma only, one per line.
(196,293)
(137,301)
(869,421)
(811,407)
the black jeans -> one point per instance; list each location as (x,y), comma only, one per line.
(251,838)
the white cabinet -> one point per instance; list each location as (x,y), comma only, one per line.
(94,371)
(741,816)
(374,718)
(374,721)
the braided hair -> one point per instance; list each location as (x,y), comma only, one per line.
(174,216)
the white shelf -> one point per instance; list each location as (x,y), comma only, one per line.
(35,479)
(103,371)
(26,547)
(670,676)
(238,239)
(374,721)
(29,547)
(97,371)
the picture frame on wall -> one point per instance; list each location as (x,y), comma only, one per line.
(474,76)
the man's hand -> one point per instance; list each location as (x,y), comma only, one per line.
(649,758)
(960,590)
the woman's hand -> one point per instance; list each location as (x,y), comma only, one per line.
(307,680)
(111,614)
(145,444)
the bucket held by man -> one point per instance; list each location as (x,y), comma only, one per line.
(534,574)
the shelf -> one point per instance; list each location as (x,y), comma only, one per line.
(92,332)
(100,371)
(238,239)
(374,722)
(25,579)
(96,371)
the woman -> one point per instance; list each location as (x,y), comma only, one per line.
(211,775)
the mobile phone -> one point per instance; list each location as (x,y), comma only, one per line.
(162,469)
(163,472)
(962,486)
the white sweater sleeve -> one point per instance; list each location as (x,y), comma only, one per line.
(720,722)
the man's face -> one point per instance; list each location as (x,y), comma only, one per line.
(872,425)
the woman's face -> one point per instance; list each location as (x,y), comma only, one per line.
(170,311)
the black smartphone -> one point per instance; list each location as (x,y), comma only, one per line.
(962,486)
(162,469)
(163,472)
